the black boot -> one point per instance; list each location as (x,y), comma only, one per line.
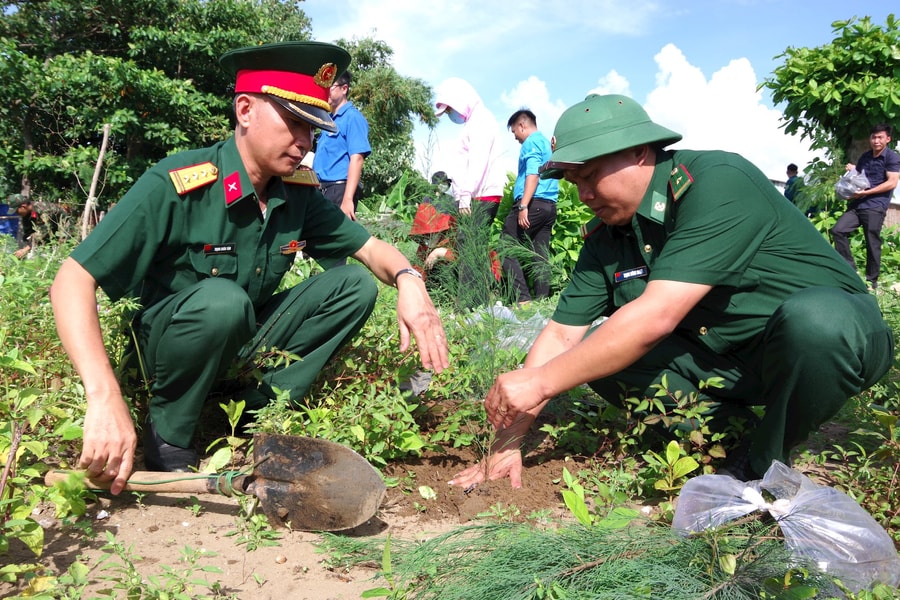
(159,455)
(737,464)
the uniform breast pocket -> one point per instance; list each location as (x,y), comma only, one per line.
(626,291)
(214,265)
(279,262)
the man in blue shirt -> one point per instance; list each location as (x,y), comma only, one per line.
(868,208)
(339,155)
(534,208)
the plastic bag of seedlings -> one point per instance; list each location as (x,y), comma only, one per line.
(851,183)
(820,524)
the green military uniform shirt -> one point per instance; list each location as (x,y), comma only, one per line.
(157,241)
(709,218)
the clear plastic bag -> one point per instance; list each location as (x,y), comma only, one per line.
(820,524)
(511,332)
(851,183)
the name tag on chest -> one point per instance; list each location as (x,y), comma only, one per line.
(209,249)
(623,276)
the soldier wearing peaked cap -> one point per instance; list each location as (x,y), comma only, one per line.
(704,270)
(203,240)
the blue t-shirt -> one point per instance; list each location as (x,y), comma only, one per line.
(535,152)
(333,150)
(876,168)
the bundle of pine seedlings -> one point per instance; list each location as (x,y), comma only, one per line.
(520,561)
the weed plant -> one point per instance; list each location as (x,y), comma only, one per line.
(607,560)
(362,399)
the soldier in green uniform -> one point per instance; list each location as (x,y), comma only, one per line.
(203,239)
(704,270)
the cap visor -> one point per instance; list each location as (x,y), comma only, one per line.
(555,169)
(311,114)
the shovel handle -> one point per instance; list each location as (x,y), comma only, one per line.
(147,481)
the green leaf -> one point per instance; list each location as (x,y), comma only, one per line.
(673,451)
(685,465)
(219,460)
(410,440)
(358,432)
(577,507)
(618,518)
(728,563)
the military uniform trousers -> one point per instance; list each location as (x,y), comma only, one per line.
(820,347)
(189,340)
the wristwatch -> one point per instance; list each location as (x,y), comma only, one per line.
(407,271)
(523,207)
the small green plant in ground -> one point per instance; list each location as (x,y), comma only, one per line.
(253,529)
(175,582)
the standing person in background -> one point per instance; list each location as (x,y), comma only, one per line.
(533,213)
(792,183)
(339,156)
(478,179)
(24,208)
(868,208)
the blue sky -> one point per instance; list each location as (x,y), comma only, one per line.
(694,65)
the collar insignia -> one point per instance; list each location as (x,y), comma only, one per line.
(232,185)
(588,229)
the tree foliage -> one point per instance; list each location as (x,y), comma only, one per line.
(835,93)
(148,67)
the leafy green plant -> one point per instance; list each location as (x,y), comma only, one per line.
(672,468)
(224,456)
(253,529)
(175,583)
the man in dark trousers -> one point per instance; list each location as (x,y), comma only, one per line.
(703,271)
(868,208)
(203,239)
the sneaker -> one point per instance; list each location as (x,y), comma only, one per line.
(160,455)
(737,464)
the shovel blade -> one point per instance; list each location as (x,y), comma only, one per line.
(310,484)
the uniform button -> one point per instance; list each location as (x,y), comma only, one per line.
(648,248)
(215,271)
(259,270)
(704,331)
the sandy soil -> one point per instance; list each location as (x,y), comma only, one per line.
(161,526)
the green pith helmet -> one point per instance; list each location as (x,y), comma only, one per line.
(601,125)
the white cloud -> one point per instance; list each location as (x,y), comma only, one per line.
(725,112)
(429,37)
(612,83)
(482,41)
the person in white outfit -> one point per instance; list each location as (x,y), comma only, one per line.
(478,180)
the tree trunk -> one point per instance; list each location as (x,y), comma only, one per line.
(91,199)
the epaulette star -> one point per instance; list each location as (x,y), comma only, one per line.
(190,178)
(679,181)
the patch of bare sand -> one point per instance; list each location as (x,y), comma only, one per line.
(159,529)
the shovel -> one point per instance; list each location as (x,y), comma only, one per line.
(302,483)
